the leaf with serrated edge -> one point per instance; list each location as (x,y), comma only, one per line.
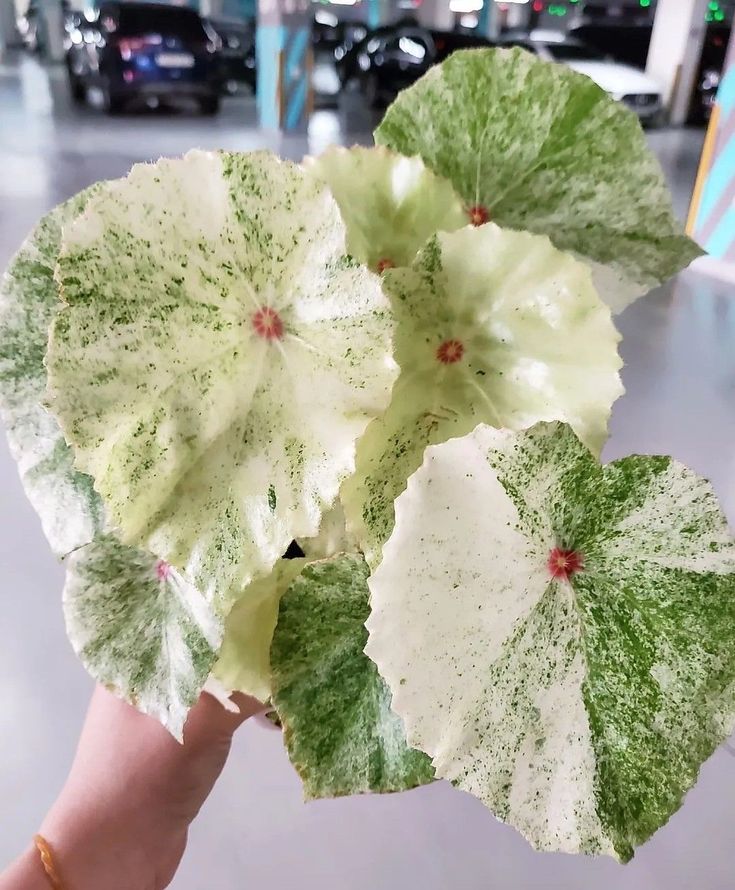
(70,511)
(244,664)
(218,358)
(340,732)
(559,636)
(536,344)
(244,659)
(390,204)
(140,628)
(534,145)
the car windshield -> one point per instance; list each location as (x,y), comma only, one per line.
(574,52)
(172,21)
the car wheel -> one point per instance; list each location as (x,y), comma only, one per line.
(112,102)
(372,91)
(209,104)
(77,89)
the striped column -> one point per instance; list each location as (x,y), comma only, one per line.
(284,60)
(712,214)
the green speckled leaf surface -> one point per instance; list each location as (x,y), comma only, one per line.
(578,698)
(494,326)
(390,204)
(340,732)
(218,358)
(70,511)
(140,628)
(542,148)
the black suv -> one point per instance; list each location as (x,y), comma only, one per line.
(143,50)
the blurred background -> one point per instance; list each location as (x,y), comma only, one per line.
(86,90)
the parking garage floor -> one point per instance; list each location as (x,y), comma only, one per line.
(255,832)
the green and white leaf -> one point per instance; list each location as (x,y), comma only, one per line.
(340,732)
(244,659)
(140,628)
(544,149)
(213,446)
(538,345)
(390,204)
(70,511)
(578,709)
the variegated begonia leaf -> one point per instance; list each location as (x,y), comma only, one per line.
(70,511)
(244,659)
(218,358)
(494,326)
(140,628)
(534,145)
(390,204)
(559,636)
(340,732)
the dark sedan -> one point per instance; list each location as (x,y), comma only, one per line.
(142,51)
(390,59)
(235,53)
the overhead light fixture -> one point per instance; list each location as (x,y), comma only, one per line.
(465,5)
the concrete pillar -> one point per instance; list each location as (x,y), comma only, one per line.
(676,47)
(436,14)
(7,26)
(284,59)
(488,20)
(519,15)
(52,24)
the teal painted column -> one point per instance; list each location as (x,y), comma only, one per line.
(713,213)
(374,15)
(284,60)
(487,19)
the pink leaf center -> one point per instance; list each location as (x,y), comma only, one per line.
(562,564)
(267,323)
(163,569)
(478,215)
(450,351)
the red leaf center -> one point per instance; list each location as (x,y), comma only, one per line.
(267,323)
(384,264)
(450,351)
(562,564)
(478,215)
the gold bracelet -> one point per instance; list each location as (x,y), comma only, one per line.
(47,860)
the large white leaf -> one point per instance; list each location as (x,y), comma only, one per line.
(218,358)
(534,145)
(494,326)
(559,636)
(70,511)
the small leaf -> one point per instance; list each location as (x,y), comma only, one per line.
(340,732)
(140,628)
(390,204)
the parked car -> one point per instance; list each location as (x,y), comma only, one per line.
(623,82)
(235,53)
(26,24)
(132,50)
(389,59)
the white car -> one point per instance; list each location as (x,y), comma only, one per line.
(623,82)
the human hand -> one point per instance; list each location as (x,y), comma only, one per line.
(121,820)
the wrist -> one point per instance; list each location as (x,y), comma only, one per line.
(93,849)
(26,873)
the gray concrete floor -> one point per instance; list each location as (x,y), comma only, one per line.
(255,831)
